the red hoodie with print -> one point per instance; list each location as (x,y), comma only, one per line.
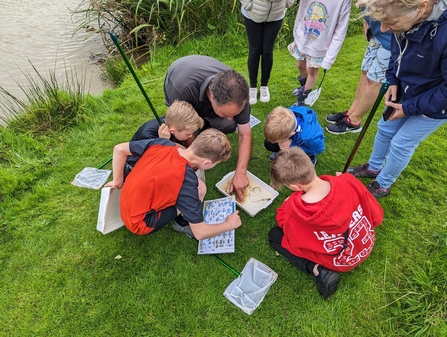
(336,232)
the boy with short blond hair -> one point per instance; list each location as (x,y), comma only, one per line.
(280,125)
(327,224)
(163,183)
(293,126)
(182,116)
(180,123)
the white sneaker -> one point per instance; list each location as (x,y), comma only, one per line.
(253,95)
(265,94)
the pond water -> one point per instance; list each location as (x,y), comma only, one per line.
(41,32)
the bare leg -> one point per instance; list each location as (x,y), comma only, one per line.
(311,78)
(302,67)
(358,92)
(365,96)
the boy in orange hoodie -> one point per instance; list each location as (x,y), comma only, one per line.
(327,225)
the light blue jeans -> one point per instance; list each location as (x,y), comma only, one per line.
(396,142)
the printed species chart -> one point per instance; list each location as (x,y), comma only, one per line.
(214,212)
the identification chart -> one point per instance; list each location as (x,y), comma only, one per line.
(214,212)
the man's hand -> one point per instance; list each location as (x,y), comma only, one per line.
(234,220)
(240,181)
(238,184)
(164,132)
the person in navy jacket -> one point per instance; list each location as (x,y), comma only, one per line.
(417,73)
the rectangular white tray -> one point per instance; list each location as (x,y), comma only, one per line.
(109,217)
(258,195)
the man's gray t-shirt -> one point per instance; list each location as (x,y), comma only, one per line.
(187,80)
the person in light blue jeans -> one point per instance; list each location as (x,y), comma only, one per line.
(395,144)
(417,73)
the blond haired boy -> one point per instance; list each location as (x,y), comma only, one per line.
(327,224)
(293,126)
(180,123)
(163,183)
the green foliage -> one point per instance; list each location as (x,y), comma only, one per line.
(420,308)
(147,22)
(48,105)
(115,69)
(22,160)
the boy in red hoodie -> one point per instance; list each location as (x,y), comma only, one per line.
(327,225)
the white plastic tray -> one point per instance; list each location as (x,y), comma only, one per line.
(258,195)
(109,217)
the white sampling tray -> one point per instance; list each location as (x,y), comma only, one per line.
(258,195)
(109,217)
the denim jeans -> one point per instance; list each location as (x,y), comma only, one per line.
(396,142)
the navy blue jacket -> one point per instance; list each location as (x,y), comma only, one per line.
(418,65)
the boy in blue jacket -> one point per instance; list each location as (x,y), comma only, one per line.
(294,126)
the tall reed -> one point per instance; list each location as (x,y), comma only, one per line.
(49,104)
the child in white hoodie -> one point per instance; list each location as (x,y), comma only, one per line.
(319,31)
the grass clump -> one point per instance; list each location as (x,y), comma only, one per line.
(48,104)
(420,307)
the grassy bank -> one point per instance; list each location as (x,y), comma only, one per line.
(60,277)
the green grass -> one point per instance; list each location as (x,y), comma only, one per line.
(59,276)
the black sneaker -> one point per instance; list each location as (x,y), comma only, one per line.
(327,282)
(343,126)
(336,117)
(377,191)
(362,171)
(182,226)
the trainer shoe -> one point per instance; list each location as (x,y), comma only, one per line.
(335,117)
(265,94)
(253,95)
(182,226)
(302,95)
(327,282)
(377,191)
(343,126)
(297,91)
(362,171)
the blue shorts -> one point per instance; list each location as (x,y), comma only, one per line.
(375,62)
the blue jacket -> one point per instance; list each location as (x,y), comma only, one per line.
(309,134)
(418,65)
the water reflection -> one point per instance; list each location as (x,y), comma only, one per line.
(40,32)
